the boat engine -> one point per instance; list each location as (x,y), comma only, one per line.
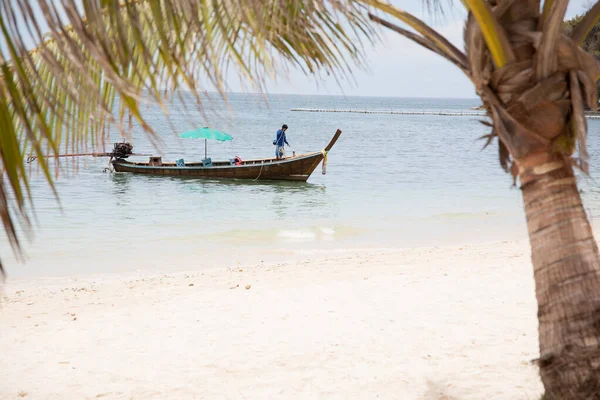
(122,150)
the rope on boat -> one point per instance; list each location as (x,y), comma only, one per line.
(260,172)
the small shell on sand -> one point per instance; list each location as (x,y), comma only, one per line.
(248,287)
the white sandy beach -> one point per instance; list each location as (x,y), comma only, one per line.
(426,323)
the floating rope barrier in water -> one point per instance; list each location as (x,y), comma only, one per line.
(356,111)
(394,112)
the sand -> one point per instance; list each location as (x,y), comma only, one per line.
(424,323)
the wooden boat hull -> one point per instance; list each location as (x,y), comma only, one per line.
(298,168)
(290,169)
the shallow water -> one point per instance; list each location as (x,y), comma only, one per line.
(392,181)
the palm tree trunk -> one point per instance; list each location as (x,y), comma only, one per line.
(567,277)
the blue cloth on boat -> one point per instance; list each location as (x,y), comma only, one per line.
(180,163)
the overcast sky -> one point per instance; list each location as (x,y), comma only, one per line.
(400,68)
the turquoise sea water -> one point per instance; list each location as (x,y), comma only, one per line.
(392,181)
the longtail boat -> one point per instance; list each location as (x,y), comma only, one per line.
(294,168)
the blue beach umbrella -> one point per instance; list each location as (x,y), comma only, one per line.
(206,133)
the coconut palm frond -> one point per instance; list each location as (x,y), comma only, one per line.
(546,9)
(578,122)
(494,35)
(422,28)
(551,27)
(583,28)
(423,41)
(94,62)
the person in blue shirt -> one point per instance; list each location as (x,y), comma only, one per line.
(280,141)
